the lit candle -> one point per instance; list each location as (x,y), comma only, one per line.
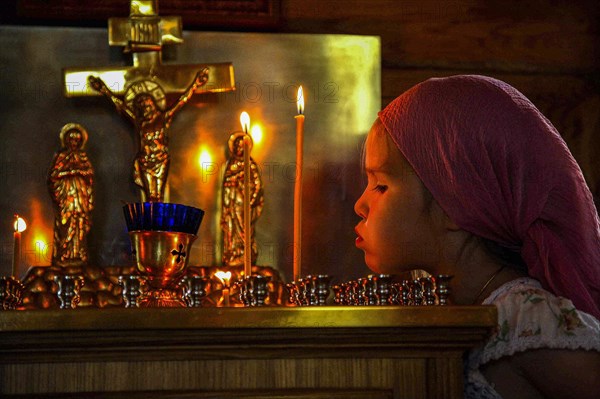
(245,121)
(224,277)
(298,186)
(19,227)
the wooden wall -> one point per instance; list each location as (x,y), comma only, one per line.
(539,37)
(548,49)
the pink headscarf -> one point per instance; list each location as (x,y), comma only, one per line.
(501,171)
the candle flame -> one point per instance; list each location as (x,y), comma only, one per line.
(256,134)
(224,277)
(19,224)
(245,121)
(300,101)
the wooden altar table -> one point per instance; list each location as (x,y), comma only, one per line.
(268,352)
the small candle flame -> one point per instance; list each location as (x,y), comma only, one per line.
(300,101)
(245,121)
(224,277)
(19,224)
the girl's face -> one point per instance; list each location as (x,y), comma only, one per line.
(396,232)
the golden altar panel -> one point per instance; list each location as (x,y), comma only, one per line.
(340,75)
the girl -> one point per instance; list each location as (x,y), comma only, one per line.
(466,177)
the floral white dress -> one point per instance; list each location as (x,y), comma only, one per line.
(529,317)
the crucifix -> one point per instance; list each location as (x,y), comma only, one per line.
(140,91)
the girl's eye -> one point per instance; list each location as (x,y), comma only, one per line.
(380,188)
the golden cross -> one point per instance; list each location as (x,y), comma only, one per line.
(143,35)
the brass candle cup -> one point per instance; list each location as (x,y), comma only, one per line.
(162,235)
(162,257)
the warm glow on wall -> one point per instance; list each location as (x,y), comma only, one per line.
(40,241)
(205,157)
(208,168)
(39,252)
(38,248)
(42,244)
(256,134)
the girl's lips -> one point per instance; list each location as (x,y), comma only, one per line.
(359,239)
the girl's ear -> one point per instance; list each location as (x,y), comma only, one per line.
(450,225)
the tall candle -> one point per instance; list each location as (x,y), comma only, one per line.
(19,227)
(298,186)
(245,121)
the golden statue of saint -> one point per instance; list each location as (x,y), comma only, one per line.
(145,105)
(232,216)
(70,182)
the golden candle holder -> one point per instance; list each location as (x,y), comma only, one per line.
(162,257)
(382,290)
(134,287)
(162,235)
(11,293)
(195,289)
(310,290)
(69,288)
(253,290)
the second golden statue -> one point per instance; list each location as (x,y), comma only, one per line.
(232,217)
(70,182)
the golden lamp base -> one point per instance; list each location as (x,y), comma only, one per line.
(162,258)
(162,298)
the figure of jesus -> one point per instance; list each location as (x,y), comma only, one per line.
(144,105)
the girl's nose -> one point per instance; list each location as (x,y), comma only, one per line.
(360,207)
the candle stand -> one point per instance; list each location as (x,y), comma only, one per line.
(134,287)
(126,287)
(253,290)
(309,291)
(11,293)
(381,289)
(69,289)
